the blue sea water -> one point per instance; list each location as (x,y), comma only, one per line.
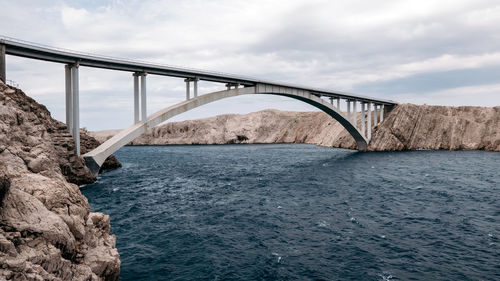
(302,212)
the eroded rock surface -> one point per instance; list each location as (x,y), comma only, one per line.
(47,231)
(406,127)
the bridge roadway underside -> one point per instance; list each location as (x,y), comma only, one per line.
(95,158)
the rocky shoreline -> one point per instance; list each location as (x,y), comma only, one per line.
(47,231)
(406,127)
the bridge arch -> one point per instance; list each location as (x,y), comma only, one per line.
(95,158)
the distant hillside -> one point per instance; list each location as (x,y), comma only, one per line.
(407,127)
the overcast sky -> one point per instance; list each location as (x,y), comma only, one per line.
(435,52)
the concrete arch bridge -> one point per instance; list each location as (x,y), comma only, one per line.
(326,100)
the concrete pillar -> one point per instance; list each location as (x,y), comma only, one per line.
(228,86)
(144,114)
(348,110)
(375,122)
(76,108)
(136,98)
(338,103)
(354,113)
(363,129)
(331,100)
(369,134)
(187,89)
(3,64)
(195,88)
(381,112)
(69,98)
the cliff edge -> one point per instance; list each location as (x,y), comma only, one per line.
(47,231)
(406,127)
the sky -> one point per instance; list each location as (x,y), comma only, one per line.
(434,52)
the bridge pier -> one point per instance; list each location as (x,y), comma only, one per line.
(140,110)
(338,103)
(136,98)
(144,113)
(354,113)
(3,64)
(369,121)
(72,89)
(69,97)
(363,121)
(382,112)
(375,112)
(188,87)
(75,108)
(348,102)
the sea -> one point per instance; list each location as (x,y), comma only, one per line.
(302,212)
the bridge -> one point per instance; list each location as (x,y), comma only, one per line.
(328,101)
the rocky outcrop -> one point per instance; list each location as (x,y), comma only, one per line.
(47,231)
(411,127)
(406,127)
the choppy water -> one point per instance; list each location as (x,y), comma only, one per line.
(302,212)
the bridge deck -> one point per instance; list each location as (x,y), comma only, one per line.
(35,51)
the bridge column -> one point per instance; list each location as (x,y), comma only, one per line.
(363,129)
(369,133)
(136,97)
(188,87)
(3,64)
(69,97)
(76,107)
(375,112)
(331,100)
(188,91)
(381,112)
(354,113)
(195,87)
(144,114)
(338,103)
(348,102)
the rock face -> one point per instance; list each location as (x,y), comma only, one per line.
(47,231)
(410,127)
(406,127)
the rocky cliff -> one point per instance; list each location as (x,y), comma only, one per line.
(406,127)
(47,231)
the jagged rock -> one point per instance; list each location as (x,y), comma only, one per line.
(406,127)
(47,231)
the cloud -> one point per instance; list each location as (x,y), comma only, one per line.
(381,48)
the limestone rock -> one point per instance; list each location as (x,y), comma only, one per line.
(47,231)
(406,127)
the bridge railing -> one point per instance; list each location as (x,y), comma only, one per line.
(6,39)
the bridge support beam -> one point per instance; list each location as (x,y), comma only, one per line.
(338,103)
(136,98)
(363,121)
(3,64)
(195,88)
(144,113)
(382,112)
(354,113)
(375,112)
(68,75)
(348,102)
(188,87)
(76,107)
(369,121)
(188,90)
